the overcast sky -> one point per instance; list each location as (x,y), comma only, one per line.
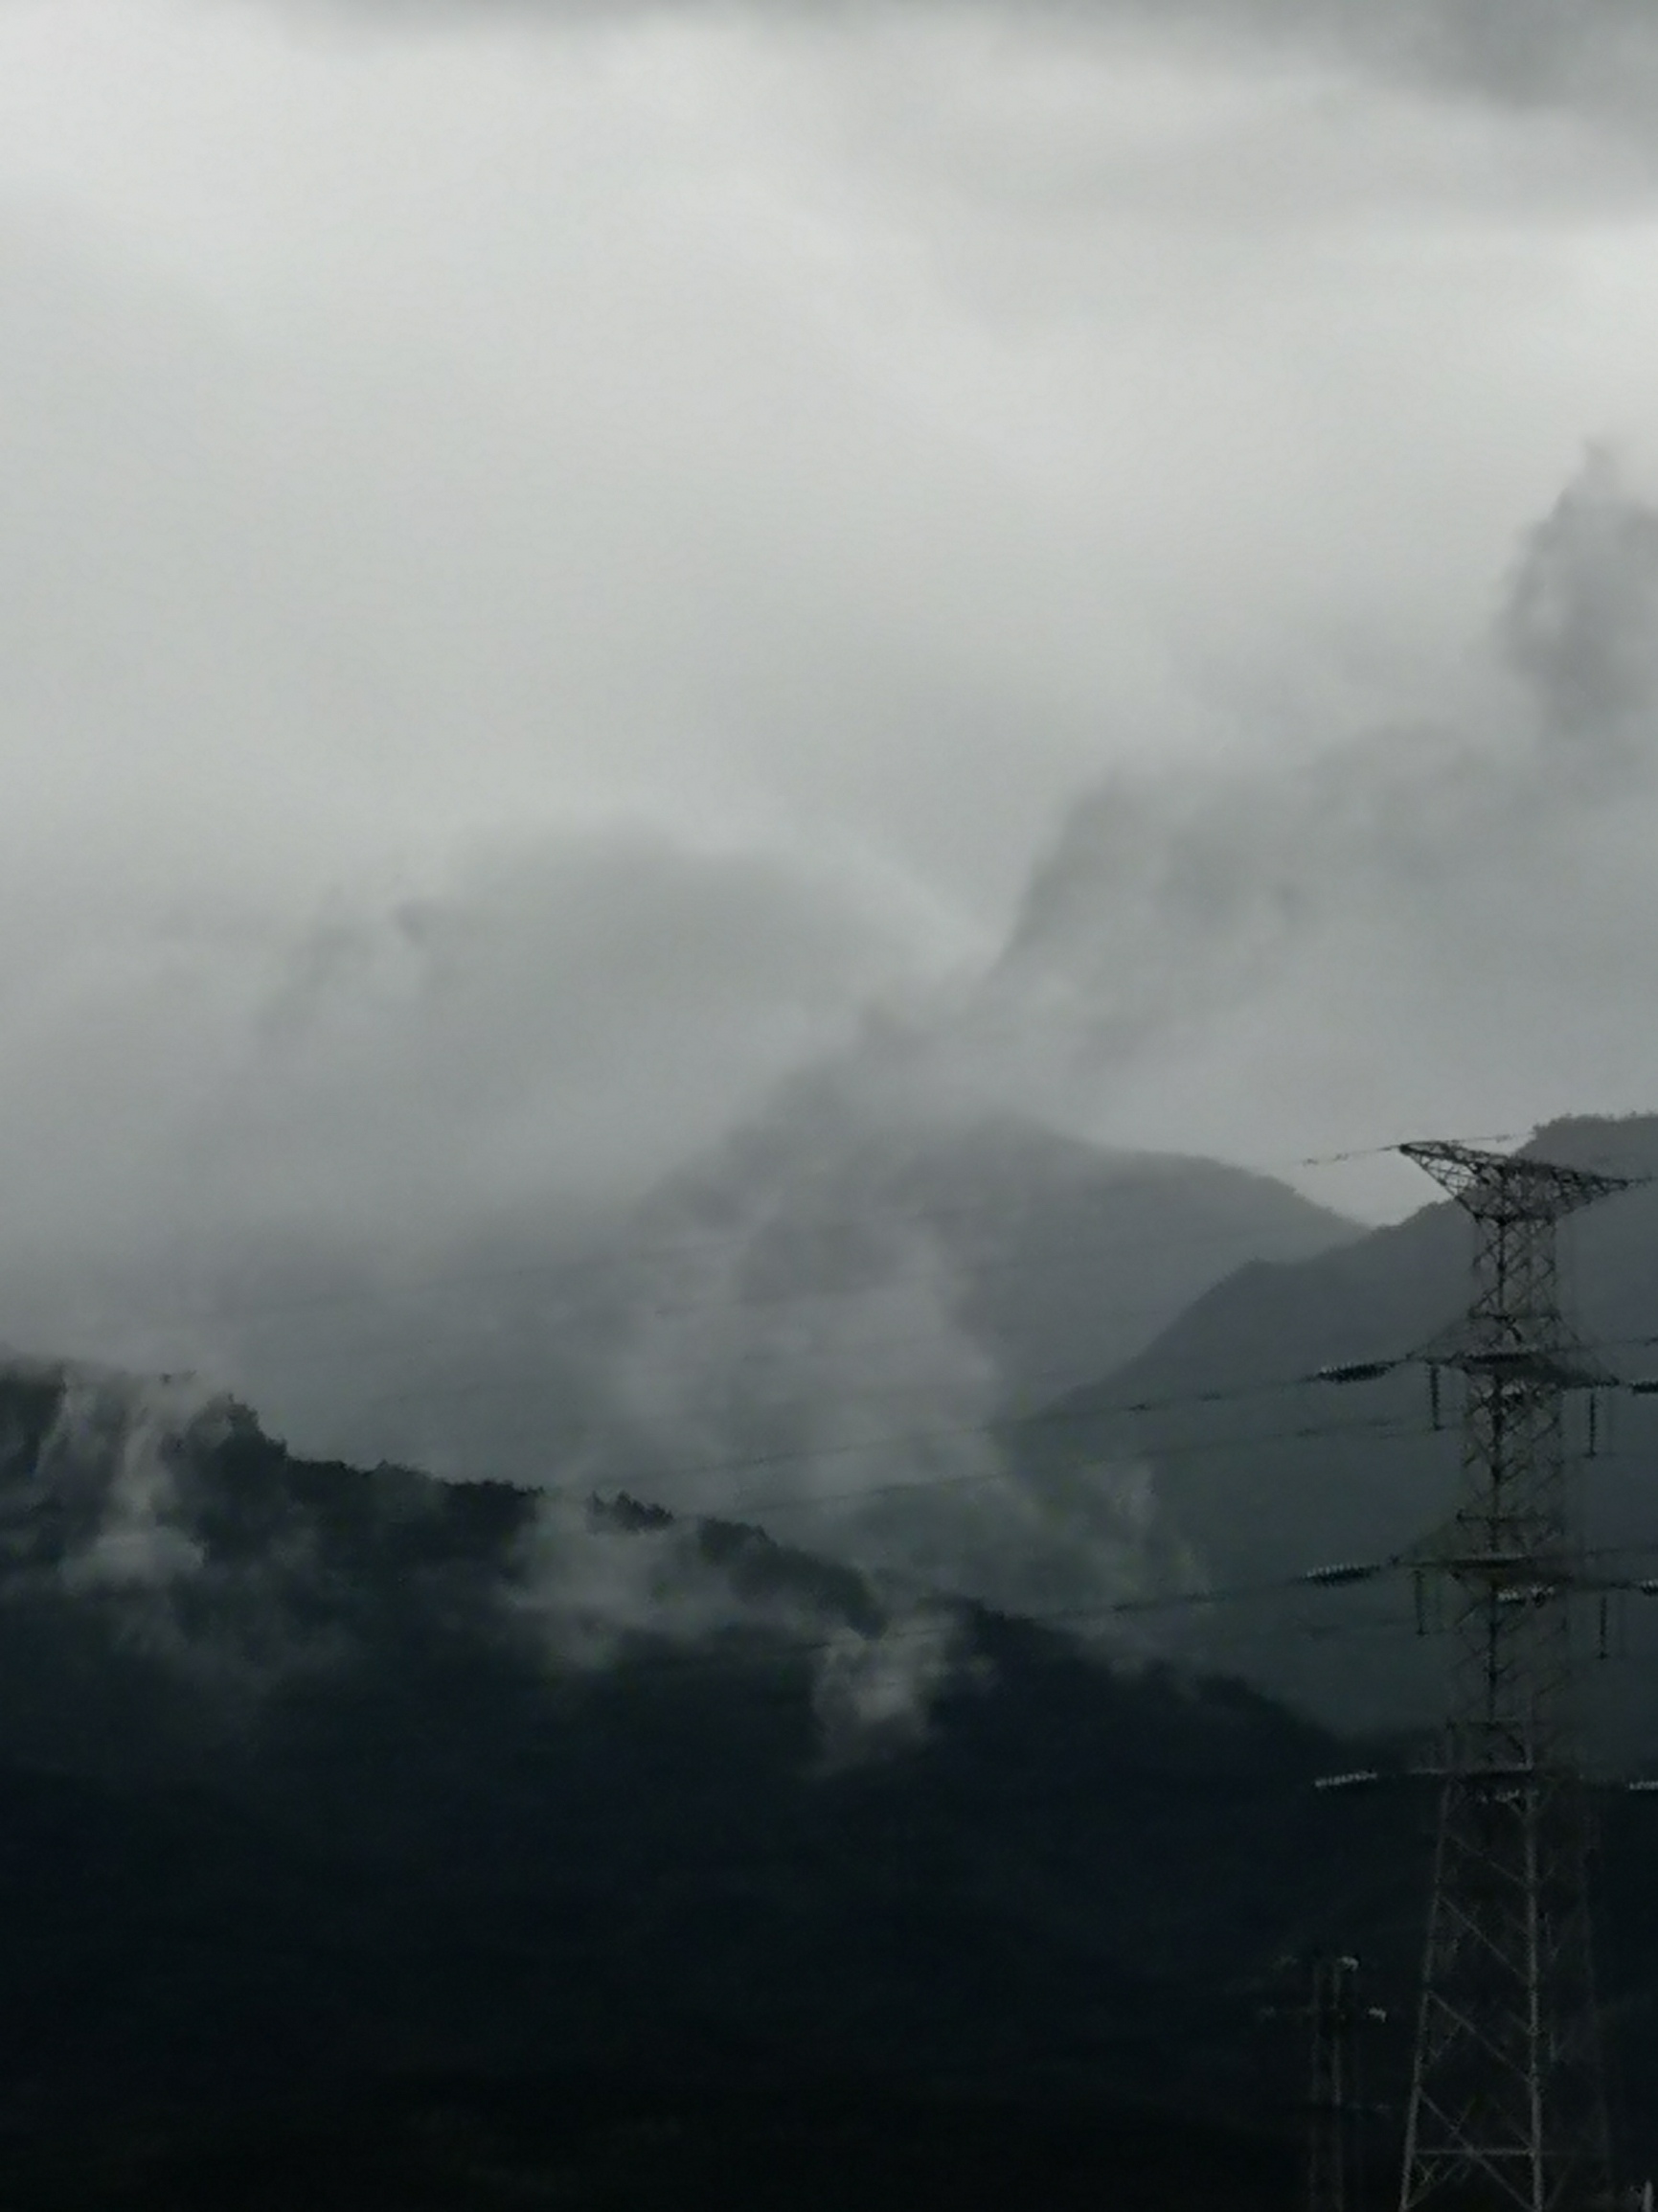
(555,556)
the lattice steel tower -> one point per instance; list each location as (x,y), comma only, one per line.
(1506,2102)
(1335,2105)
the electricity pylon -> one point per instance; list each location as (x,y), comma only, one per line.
(1507,2104)
(1330,2099)
(1333,2014)
(1336,2108)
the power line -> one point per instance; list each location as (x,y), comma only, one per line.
(1119,1314)
(610,1269)
(1062,1415)
(761,1643)
(216,1306)
(995,1430)
(1067,1413)
(1395,1146)
(1381,1428)
(942,1630)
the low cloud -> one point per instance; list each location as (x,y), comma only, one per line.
(604,1164)
(123,1436)
(579,1016)
(1361,914)
(118,1505)
(110,1506)
(571,1017)
(1577,625)
(596,1583)
(874,1692)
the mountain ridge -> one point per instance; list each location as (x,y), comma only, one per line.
(1312,1472)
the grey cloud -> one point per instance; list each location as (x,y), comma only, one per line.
(809,1327)
(489,1072)
(1522,51)
(1579,623)
(243,1153)
(489,1076)
(592,1583)
(110,1517)
(204,1102)
(1384,899)
(1601,56)
(129,1431)
(1164,901)
(574,1016)
(584,1013)
(875,1693)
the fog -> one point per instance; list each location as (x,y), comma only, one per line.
(577,580)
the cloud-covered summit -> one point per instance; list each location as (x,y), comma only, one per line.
(446,1110)
(1357,908)
(1004,515)
(1578,621)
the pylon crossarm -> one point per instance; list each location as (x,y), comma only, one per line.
(1509,1187)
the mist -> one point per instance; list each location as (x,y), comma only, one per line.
(650,658)
(607,1167)
(756,754)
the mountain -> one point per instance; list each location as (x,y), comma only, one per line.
(1261,1472)
(1065,1258)
(816,1326)
(356,1810)
(371,1837)
(831,1266)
